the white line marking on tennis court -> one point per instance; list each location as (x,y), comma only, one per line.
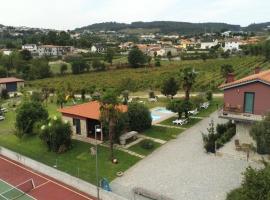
(16,188)
(42,184)
(45,178)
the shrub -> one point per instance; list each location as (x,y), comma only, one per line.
(222,135)
(4,94)
(139,117)
(209,95)
(255,186)
(261,134)
(28,114)
(56,134)
(147,145)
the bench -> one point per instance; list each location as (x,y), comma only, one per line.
(123,138)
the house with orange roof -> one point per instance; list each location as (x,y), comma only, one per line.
(11,84)
(84,117)
(246,101)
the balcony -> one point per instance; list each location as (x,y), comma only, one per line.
(236,112)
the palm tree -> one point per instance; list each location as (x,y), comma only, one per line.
(188,76)
(109,115)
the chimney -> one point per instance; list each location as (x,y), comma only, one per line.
(257,70)
(230,78)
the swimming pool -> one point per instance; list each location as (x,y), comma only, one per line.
(155,117)
(163,110)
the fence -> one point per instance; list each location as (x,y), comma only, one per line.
(59,175)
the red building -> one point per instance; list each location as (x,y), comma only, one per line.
(246,101)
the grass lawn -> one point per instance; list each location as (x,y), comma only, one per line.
(192,122)
(56,66)
(77,162)
(162,133)
(143,151)
(214,105)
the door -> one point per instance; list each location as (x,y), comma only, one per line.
(249,102)
(77,123)
(11,87)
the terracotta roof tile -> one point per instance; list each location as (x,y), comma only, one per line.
(10,80)
(90,110)
(262,76)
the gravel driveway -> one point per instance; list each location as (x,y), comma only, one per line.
(182,171)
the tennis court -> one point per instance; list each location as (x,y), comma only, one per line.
(19,192)
(21,183)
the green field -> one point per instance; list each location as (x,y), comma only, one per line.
(142,79)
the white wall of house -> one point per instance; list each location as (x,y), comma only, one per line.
(231,46)
(83,126)
(208,45)
(30,47)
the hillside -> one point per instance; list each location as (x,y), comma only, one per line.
(163,27)
(142,79)
(257,27)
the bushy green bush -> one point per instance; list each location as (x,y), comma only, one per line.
(56,134)
(216,139)
(261,134)
(139,117)
(147,145)
(28,114)
(255,186)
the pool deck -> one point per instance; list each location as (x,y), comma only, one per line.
(163,115)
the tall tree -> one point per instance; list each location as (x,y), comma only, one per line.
(226,69)
(136,58)
(170,87)
(188,77)
(109,115)
(109,55)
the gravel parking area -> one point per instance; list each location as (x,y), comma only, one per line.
(182,170)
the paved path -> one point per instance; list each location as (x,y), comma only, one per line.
(181,170)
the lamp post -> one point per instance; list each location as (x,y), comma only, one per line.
(97,130)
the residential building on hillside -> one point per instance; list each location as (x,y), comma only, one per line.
(207,44)
(97,48)
(11,84)
(246,101)
(232,45)
(52,50)
(30,47)
(84,118)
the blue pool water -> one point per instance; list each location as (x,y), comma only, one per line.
(155,117)
(163,110)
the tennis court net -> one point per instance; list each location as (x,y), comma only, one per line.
(19,190)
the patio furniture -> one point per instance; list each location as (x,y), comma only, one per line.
(2,118)
(180,122)
(193,112)
(3,110)
(123,138)
(205,105)
(237,145)
(152,99)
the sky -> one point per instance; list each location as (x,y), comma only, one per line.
(70,14)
